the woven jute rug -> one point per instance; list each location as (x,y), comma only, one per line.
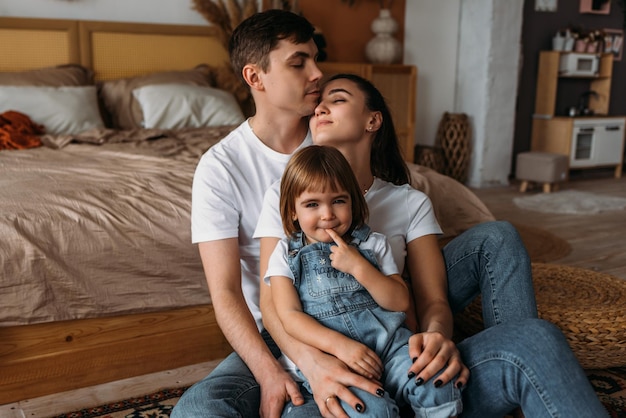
(588,306)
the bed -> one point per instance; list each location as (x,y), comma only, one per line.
(100,280)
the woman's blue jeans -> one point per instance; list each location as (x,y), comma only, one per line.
(518,361)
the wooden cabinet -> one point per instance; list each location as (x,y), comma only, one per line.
(398,84)
(588,141)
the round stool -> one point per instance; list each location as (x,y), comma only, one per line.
(589,307)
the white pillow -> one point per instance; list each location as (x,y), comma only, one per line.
(173,106)
(61,110)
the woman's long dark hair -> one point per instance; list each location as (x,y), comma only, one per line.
(386,161)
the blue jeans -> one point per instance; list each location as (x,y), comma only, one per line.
(523,361)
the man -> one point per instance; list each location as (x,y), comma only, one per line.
(275,54)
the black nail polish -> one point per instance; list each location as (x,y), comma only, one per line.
(359,407)
(414,359)
(459,385)
(411,375)
(380,392)
(438,383)
(419,381)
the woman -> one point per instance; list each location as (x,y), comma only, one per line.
(518,360)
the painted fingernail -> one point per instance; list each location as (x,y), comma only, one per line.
(414,359)
(359,407)
(411,375)
(380,392)
(459,385)
(438,383)
(419,381)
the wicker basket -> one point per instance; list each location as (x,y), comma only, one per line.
(453,136)
(430,157)
(589,307)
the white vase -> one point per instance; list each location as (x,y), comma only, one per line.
(384,48)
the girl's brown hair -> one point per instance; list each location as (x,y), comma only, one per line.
(319,168)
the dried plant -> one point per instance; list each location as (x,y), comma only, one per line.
(225,15)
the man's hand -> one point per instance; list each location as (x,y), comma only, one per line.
(330,378)
(277,388)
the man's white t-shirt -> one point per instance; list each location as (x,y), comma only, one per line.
(228,188)
(401,213)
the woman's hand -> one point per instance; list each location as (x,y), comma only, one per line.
(434,352)
(330,378)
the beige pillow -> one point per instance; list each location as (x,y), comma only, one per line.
(63,75)
(176,106)
(61,110)
(123,109)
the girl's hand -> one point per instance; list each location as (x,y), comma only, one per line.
(359,358)
(434,352)
(343,256)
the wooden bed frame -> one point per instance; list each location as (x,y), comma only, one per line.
(47,358)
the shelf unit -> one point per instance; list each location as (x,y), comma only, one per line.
(562,134)
(398,84)
(548,83)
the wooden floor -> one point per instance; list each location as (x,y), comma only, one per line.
(598,243)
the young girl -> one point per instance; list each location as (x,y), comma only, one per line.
(336,286)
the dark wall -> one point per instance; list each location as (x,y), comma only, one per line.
(538,28)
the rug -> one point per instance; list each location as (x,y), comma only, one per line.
(542,246)
(154,405)
(609,385)
(570,202)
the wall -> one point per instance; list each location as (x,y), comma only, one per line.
(151,11)
(431,43)
(537,32)
(486,81)
(347,28)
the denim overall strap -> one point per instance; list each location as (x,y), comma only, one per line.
(360,234)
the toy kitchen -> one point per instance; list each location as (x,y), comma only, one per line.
(583,130)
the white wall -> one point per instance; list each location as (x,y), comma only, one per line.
(486,80)
(467,54)
(431,43)
(151,11)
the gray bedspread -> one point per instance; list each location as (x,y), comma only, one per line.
(93,230)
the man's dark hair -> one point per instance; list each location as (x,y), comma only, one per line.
(254,38)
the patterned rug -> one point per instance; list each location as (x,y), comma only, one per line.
(154,405)
(609,384)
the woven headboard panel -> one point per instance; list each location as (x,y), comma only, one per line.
(115,50)
(27,44)
(111,49)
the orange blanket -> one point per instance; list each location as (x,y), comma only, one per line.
(17,131)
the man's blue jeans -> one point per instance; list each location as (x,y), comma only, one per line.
(518,361)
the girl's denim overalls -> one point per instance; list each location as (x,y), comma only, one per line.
(338,301)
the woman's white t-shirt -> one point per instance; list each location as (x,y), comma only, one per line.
(401,213)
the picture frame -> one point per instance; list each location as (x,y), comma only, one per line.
(614,43)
